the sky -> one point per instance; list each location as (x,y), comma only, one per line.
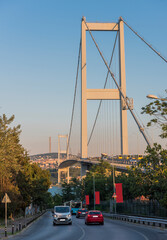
(39,41)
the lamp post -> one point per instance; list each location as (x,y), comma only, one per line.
(94,188)
(93,174)
(115,203)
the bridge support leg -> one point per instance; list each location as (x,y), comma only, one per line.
(83,170)
(68,175)
(83,95)
(59,172)
(123,110)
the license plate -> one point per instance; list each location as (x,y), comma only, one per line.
(95,216)
(83,213)
(62,220)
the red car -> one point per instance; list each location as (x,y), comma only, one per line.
(94,216)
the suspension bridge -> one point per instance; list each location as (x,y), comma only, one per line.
(106,128)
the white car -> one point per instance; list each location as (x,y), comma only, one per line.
(62,215)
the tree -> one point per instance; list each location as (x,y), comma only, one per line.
(67,192)
(155,173)
(57,199)
(101,173)
(22,181)
(158,110)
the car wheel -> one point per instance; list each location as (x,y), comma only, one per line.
(54,224)
(102,223)
(86,223)
(70,223)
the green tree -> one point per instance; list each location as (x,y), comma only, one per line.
(155,173)
(22,181)
(67,192)
(101,173)
(158,110)
(57,199)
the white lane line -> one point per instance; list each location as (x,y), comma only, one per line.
(141,234)
(146,238)
(83,231)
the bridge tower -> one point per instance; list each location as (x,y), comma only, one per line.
(59,155)
(103,94)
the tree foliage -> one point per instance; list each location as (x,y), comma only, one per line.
(25,183)
(158,111)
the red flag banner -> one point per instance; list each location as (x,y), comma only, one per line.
(87,199)
(97,197)
(119,196)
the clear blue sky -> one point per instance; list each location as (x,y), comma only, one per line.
(39,42)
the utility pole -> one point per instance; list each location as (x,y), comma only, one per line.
(114,195)
(94,188)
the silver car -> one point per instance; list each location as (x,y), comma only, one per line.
(62,215)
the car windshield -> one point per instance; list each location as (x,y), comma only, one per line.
(75,205)
(61,209)
(94,213)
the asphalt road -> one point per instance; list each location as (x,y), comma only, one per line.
(43,229)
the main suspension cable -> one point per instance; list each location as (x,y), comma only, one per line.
(149,45)
(97,114)
(121,93)
(75,92)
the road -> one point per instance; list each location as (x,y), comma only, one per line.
(43,229)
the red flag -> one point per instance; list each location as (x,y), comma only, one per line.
(119,198)
(87,199)
(97,197)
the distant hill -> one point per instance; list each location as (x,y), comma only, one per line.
(53,155)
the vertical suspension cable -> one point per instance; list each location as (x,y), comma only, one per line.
(72,115)
(104,88)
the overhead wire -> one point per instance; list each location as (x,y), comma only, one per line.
(75,92)
(142,124)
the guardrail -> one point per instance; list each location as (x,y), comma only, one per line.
(156,222)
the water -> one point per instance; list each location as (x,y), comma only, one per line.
(55,190)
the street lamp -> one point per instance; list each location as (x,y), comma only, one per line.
(155,97)
(93,174)
(94,188)
(114,195)
(152,96)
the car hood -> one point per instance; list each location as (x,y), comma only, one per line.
(62,214)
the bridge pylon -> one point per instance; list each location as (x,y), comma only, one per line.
(103,94)
(59,155)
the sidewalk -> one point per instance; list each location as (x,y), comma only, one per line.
(19,224)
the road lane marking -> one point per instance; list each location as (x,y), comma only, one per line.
(83,231)
(146,238)
(124,223)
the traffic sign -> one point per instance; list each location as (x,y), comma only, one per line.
(6,199)
(114,195)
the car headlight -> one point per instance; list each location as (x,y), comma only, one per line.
(55,215)
(69,215)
